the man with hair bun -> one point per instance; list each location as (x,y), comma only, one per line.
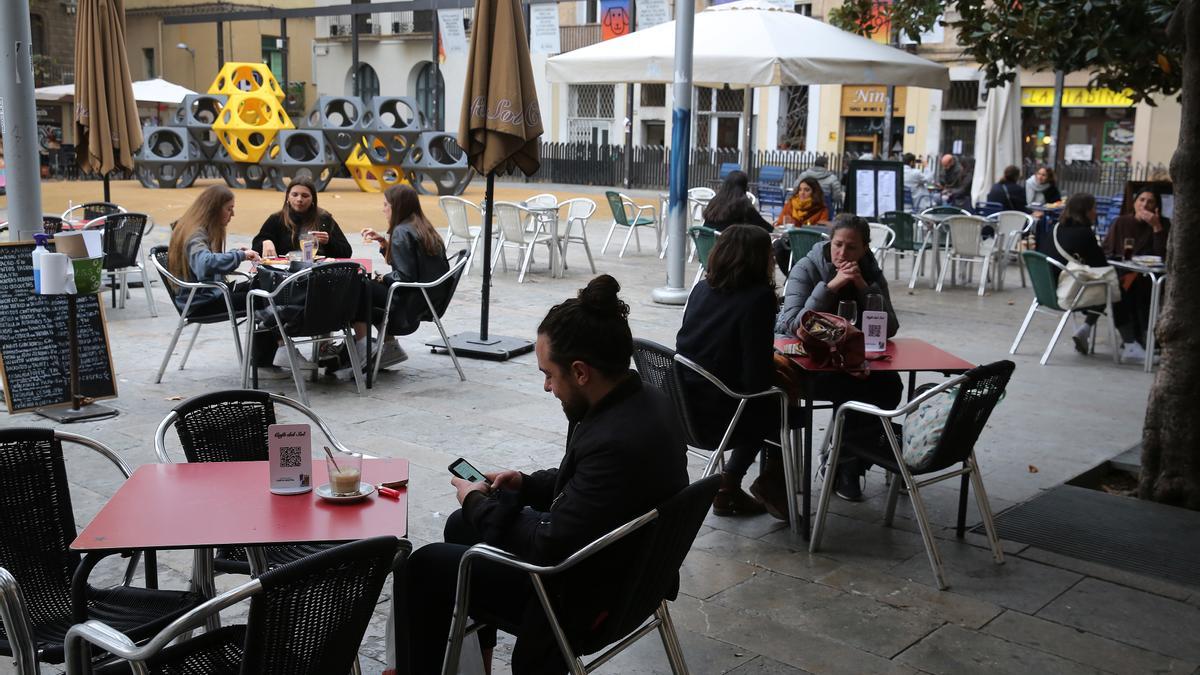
(625,455)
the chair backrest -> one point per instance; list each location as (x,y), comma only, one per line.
(902,225)
(122,239)
(966,234)
(618,207)
(511,218)
(544,199)
(704,238)
(225,426)
(726,169)
(663,547)
(977,397)
(36,522)
(770,175)
(1043,278)
(579,208)
(701,193)
(331,300)
(945,211)
(656,367)
(1009,223)
(443,293)
(52,224)
(882,236)
(988,208)
(94,210)
(803,240)
(458,215)
(312,613)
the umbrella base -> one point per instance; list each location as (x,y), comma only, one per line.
(495,348)
(66,414)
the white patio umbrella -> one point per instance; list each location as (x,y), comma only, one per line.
(157,90)
(750,43)
(997,138)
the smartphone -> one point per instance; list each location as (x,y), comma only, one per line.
(463,469)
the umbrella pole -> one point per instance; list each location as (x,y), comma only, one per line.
(482,345)
(107,190)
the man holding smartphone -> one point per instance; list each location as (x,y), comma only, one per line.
(625,455)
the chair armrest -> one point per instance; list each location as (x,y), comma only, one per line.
(98,447)
(773,391)
(236,273)
(428,284)
(866,408)
(15,618)
(316,419)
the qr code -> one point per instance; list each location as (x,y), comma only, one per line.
(874,330)
(289,457)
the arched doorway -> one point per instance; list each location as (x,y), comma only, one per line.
(367,82)
(428,91)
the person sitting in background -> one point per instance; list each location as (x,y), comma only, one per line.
(728,330)
(955,182)
(1075,238)
(916,182)
(731,206)
(300,216)
(843,269)
(1041,188)
(1008,191)
(831,187)
(805,206)
(1150,232)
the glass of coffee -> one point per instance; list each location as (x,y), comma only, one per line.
(345,473)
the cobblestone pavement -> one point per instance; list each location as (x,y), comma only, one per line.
(753,600)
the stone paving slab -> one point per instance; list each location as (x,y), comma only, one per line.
(953,650)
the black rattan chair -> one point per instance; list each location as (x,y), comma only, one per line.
(976,394)
(37,600)
(651,554)
(51,224)
(308,617)
(231,426)
(172,284)
(122,246)
(442,289)
(91,211)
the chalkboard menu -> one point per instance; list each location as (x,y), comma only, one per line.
(35,367)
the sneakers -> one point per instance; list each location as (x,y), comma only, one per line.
(273,373)
(1132,352)
(393,353)
(847,485)
(1080,339)
(281,360)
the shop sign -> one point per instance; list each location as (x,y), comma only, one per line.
(870,101)
(1075,97)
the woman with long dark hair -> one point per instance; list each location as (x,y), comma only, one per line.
(805,206)
(300,216)
(197,251)
(731,206)
(727,330)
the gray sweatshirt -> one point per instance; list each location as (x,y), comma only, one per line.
(207,266)
(808,288)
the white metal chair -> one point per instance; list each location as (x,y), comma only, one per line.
(579,210)
(458,214)
(436,311)
(976,394)
(1045,300)
(882,238)
(512,218)
(172,284)
(697,199)
(967,245)
(1011,229)
(543,199)
(629,215)
(931,234)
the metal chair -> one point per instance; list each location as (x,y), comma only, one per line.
(513,218)
(968,245)
(90,211)
(306,617)
(1011,229)
(882,238)
(329,305)
(38,602)
(802,240)
(458,215)
(543,199)
(437,310)
(123,234)
(172,284)
(631,216)
(977,393)
(703,239)
(652,546)
(932,233)
(579,210)
(697,200)
(904,244)
(1045,300)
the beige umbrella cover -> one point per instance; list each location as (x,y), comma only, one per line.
(501,120)
(106,116)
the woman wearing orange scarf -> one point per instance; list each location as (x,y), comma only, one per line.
(806,206)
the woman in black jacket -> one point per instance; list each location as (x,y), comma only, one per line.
(731,206)
(1009,192)
(727,330)
(300,215)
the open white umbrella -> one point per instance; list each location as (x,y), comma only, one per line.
(997,138)
(750,43)
(157,90)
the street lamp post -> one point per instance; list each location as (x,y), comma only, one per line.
(184,46)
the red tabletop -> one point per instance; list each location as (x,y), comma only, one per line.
(907,354)
(166,506)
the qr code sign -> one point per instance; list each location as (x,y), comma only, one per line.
(289,457)
(874,330)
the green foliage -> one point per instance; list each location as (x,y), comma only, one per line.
(1122,42)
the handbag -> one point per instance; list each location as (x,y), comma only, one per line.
(1078,274)
(831,341)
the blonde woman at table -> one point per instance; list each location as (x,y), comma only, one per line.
(727,330)
(300,216)
(843,269)
(415,252)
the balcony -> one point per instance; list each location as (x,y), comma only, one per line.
(48,72)
(571,38)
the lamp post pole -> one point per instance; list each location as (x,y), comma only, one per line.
(18,117)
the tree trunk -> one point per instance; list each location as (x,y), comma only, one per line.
(1171,437)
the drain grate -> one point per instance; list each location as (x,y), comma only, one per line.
(1131,534)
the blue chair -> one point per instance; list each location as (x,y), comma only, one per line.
(770,190)
(988,208)
(726,169)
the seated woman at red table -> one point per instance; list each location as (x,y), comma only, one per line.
(806,206)
(416,253)
(727,330)
(834,271)
(281,232)
(731,206)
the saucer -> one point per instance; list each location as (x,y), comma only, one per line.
(326,493)
(1148,260)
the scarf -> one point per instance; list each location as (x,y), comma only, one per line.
(804,211)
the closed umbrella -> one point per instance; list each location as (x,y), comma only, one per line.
(106,118)
(997,137)
(500,127)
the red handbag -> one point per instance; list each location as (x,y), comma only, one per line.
(831,341)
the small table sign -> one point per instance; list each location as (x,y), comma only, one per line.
(289,448)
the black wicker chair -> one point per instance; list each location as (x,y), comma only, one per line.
(37,600)
(231,426)
(308,617)
(51,224)
(91,211)
(122,245)
(978,392)
(656,367)
(653,551)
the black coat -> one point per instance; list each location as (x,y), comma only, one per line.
(1079,241)
(285,240)
(743,213)
(1009,195)
(624,458)
(411,263)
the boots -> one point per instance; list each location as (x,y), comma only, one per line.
(731,500)
(770,487)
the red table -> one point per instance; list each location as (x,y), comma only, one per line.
(909,355)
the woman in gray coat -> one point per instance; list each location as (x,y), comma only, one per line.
(843,269)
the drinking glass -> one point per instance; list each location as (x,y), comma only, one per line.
(1127,249)
(848,310)
(874,302)
(345,473)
